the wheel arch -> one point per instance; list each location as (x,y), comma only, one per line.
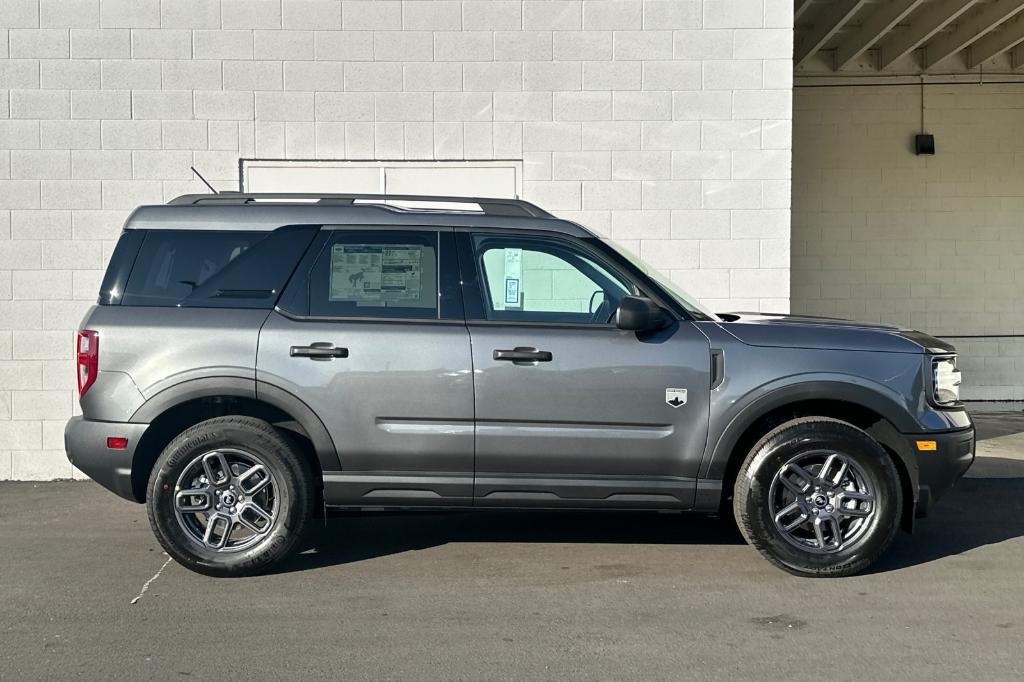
(880,417)
(174,409)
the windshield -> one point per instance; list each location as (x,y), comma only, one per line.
(671,288)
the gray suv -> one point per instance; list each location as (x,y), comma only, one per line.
(254,360)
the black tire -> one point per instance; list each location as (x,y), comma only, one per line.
(800,437)
(293,490)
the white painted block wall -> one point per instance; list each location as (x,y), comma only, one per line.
(664,124)
(935,243)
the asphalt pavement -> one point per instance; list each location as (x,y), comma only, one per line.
(86,592)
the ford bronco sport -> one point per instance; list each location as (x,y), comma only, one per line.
(256,359)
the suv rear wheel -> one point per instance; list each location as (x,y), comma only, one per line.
(818,497)
(229,497)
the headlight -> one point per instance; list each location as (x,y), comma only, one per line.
(945,381)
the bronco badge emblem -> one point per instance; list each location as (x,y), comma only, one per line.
(675,397)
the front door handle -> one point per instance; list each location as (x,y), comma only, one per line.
(320,350)
(523,355)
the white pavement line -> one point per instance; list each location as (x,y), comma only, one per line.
(150,581)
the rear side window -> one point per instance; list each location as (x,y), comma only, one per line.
(214,269)
(385,274)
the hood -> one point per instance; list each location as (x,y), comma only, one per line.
(827,333)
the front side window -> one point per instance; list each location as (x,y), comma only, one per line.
(376,274)
(540,279)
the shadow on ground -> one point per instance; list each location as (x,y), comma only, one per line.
(977,512)
(357,537)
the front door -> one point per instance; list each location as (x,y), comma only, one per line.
(371,337)
(570,410)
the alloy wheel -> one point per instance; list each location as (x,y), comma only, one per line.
(822,502)
(226,500)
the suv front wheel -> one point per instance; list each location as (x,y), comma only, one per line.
(818,497)
(229,496)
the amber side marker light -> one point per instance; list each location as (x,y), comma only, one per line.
(927,445)
(116,443)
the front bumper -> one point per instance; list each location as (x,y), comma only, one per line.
(942,467)
(85,442)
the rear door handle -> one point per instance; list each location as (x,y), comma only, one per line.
(523,355)
(320,350)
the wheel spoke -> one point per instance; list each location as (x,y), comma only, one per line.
(862,503)
(799,472)
(191,501)
(794,523)
(255,518)
(218,530)
(853,511)
(826,469)
(819,533)
(837,532)
(215,464)
(254,479)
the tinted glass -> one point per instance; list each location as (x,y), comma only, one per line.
(386,274)
(535,279)
(120,266)
(212,269)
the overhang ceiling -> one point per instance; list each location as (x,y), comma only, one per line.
(908,37)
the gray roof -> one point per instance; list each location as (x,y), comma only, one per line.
(268,212)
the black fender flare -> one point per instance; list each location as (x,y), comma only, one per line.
(896,418)
(209,387)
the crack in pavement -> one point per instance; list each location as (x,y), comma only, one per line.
(150,581)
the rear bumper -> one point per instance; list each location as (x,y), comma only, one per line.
(85,442)
(942,467)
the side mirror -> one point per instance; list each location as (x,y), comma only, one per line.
(639,314)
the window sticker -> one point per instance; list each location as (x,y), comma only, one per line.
(377,274)
(511,291)
(513,277)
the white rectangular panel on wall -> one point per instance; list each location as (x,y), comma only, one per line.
(290,176)
(450,178)
(493,181)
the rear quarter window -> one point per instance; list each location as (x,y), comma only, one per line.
(214,269)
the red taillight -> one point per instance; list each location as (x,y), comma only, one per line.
(87,358)
(117,443)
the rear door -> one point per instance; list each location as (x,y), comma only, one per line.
(370,335)
(572,411)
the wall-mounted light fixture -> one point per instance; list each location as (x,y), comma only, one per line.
(924,145)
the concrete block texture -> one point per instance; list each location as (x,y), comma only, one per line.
(927,242)
(662,124)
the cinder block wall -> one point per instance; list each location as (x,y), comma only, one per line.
(935,243)
(663,124)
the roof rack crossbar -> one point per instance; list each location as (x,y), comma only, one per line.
(489,205)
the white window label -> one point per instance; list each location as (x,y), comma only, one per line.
(376,273)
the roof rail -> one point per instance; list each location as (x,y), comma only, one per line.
(489,205)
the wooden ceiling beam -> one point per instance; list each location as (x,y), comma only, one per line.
(799,7)
(996,42)
(970,29)
(1017,58)
(874,29)
(827,25)
(930,20)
